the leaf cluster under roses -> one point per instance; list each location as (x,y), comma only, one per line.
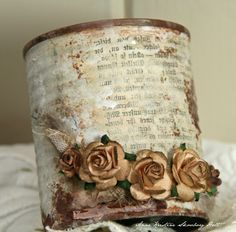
(144,173)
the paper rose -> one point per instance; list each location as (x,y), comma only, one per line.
(190,172)
(69,162)
(213,179)
(104,165)
(149,176)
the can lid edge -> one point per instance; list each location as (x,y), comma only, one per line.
(104,24)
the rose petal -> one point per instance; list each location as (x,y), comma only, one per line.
(105,174)
(63,165)
(200,187)
(77,164)
(163,184)
(158,157)
(154,177)
(68,158)
(105,184)
(123,173)
(185,178)
(96,171)
(97,160)
(110,173)
(150,191)
(167,181)
(175,174)
(189,160)
(120,151)
(200,169)
(185,193)
(161,196)
(142,154)
(108,152)
(69,173)
(154,171)
(113,156)
(96,153)
(178,159)
(90,147)
(132,177)
(194,177)
(108,166)
(191,152)
(142,163)
(138,194)
(147,183)
(84,176)
(215,173)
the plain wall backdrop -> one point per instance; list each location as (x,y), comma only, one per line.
(213,51)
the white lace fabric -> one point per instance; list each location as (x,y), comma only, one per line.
(19,200)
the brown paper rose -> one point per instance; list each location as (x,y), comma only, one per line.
(149,176)
(190,172)
(104,164)
(213,179)
(69,162)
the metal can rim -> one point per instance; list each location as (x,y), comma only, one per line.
(100,24)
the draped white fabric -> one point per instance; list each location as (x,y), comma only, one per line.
(19,200)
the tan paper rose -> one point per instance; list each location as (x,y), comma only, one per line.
(104,164)
(69,162)
(190,172)
(149,176)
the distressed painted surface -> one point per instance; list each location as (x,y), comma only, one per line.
(133,83)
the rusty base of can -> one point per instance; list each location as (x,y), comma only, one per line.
(157,212)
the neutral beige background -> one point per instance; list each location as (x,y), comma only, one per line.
(212,24)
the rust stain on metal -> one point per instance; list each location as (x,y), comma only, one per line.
(176,132)
(77,63)
(192,104)
(47,220)
(63,107)
(74,56)
(45,119)
(62,202)
(117,210)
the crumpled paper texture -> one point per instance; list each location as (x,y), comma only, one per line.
(19,200)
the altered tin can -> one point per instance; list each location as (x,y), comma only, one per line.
(124,80)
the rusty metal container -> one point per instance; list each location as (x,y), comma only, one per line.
(126,79)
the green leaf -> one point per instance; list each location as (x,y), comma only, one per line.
(125,184)
(174,192)
(129,156)
(105,139)
(77,177)
(89,186)
(61,172)
(77,146)
(197,196)
(182,146)
(213,191)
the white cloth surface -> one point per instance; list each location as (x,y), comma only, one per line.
(19,200)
